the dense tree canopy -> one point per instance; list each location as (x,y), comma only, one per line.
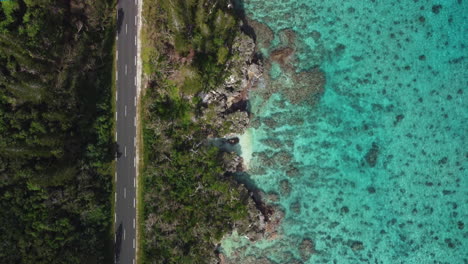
(55,130)
(189,202)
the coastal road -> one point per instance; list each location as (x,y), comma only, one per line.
(126,101)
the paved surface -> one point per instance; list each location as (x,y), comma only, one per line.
(125,196)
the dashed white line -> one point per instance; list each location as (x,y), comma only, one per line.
(115,135)
(125,69)
(133,243)
(115,217)
(134,100)
(134,141)
(134,121)
(125,192)
(134,162)
(115,196)
(135,20)
(133,202)
(134,182)
(133,261)
(125,28)
(135,60)
(134,80)
(125,110)
(115,115)
(133,222)
(117,55)
(125,150)
(124,233)
(135,40)
(116,96)
(116,75)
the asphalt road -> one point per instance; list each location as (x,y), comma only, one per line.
(125,195)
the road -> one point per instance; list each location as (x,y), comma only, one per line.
(126,101)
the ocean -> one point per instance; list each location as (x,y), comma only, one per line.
(359,132)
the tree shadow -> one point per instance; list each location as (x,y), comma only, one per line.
(120,18)
(118,242)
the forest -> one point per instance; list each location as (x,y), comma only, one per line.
(56,148)
(189,202)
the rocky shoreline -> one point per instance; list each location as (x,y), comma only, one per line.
(254,55)
(230,103)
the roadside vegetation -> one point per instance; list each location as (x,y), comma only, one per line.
(56,147)
(189,202)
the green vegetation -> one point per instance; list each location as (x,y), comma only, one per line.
(189,203)
(56,146)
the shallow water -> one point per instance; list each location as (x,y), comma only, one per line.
(372,168)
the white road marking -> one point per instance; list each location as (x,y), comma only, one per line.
(115,135)
(134,100)
(125,110)
(125,150)
(134,121)
(115,196)
(134,141)
(135,60)
(124,233)
(125,69)
(115,115)
(133,261)
(125,28)
(117,37)
(134,162)
(133,222)
(134,182)
(116,75)
(116,96)
(133,202)
(133,243)
(117,55)
(125,192)
(135,20)
(134,80)
(115,217)
(135,40)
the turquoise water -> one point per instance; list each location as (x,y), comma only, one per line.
(373,168)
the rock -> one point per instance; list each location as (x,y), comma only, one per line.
(264,35)
(372,155)
(233,141)
(282,55)
(239,122)
(233,162)
(285,188)
(296,207)
(306,249)
(292,171)
(356,245)
(273,197)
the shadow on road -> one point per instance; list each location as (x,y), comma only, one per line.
(118,242)
(120,18)
(117,150)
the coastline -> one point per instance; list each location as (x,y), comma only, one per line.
(194,103)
